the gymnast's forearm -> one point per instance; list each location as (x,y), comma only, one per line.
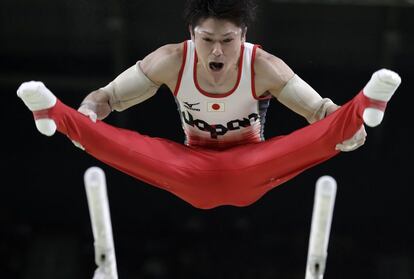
(129,88)
(301,98)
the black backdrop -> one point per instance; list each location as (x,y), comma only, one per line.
(76,46)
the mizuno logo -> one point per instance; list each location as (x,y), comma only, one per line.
(190,106)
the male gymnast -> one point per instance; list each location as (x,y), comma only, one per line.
(222,86)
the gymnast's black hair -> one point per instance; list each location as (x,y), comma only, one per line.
(240,12)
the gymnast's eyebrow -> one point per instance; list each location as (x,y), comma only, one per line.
(224,35)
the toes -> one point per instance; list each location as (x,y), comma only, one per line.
(382,85)
(36,96)
(388,76)
(29,88)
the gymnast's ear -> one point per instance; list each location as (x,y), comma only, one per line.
(191,30)
(243,35)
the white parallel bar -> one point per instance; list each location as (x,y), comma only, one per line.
(324,200)
(95,185)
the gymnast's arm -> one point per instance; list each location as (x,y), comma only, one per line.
(135,85)
(274,76)
(290,89)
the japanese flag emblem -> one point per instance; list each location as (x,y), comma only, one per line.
(215,106)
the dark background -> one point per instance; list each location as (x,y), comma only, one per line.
(77,46)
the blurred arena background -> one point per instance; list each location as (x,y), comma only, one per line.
(77,46)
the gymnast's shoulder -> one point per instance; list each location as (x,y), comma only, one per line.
(271,72)
(163,64)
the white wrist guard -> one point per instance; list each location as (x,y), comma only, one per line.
(300,97)
(131,87)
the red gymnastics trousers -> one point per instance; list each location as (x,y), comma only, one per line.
(207,178)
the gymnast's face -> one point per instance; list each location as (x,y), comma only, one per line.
(218,44)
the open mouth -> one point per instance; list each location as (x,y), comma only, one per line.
(216,66)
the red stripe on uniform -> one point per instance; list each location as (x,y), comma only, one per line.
(371,103)
(180,73)
(41,114)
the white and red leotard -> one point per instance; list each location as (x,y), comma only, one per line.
(221,120)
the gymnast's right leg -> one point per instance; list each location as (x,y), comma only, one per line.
(152,160)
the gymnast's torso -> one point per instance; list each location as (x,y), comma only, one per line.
(220,120)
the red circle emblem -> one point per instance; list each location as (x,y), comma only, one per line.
(215,106)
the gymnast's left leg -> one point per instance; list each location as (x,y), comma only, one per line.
(270,163)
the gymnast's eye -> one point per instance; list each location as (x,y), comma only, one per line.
(228,40)
(207,40)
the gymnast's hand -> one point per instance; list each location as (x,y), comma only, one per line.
(95,106)
(357,140)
